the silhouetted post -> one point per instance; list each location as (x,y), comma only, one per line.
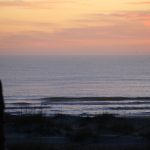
(2,141)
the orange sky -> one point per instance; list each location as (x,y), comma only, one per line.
(74,27)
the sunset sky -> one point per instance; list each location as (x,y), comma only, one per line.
(74,27)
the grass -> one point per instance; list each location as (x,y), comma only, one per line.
(79,131)
(62,124)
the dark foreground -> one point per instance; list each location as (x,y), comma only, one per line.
(63,132)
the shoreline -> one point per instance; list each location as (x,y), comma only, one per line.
(124,106)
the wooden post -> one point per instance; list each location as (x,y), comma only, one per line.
(2,141)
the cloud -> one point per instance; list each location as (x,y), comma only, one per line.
(27,22)
(16,3)
(130,18)
(141,3)
(45,4)
(120,31)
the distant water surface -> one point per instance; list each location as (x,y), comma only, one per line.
(34,77)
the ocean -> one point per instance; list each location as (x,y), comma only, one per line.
(34,80)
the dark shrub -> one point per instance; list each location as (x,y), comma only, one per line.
(83,134)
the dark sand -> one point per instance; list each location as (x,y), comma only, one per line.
(64,132)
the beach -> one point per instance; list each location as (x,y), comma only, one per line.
(68,132)
(74,75)
(76,103)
